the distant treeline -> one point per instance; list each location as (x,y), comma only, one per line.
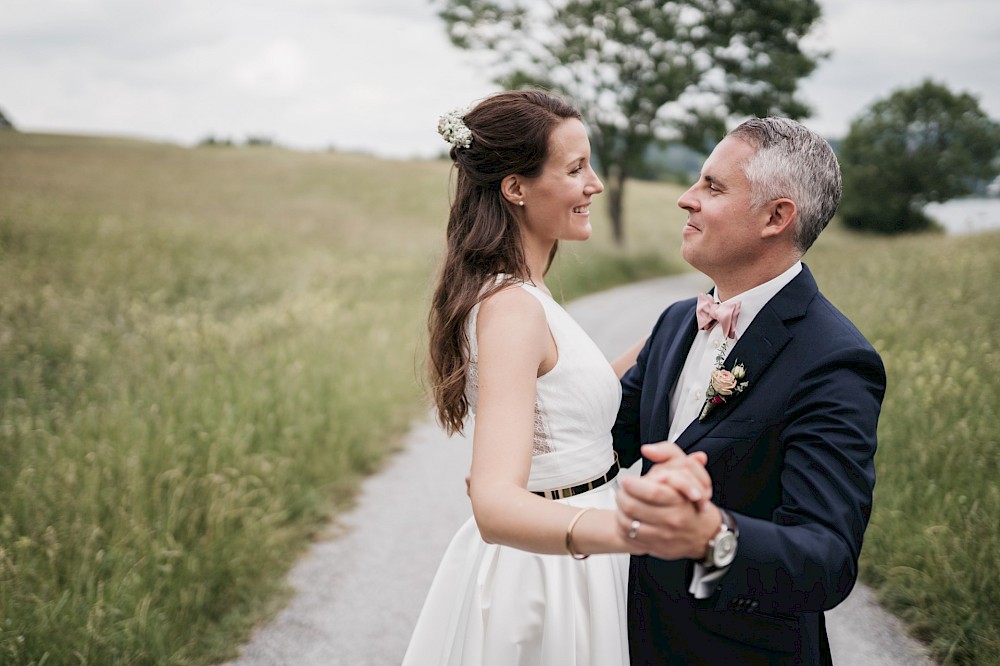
(251,140)
(6,122)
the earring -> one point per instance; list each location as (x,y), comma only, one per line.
(520,203)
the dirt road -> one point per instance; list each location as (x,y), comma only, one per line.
(358,594)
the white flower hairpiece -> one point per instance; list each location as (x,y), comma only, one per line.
(452,127)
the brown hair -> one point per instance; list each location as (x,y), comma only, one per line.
(510,135)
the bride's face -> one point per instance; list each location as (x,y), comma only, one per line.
(557,201)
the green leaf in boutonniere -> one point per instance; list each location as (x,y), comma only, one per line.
(723,383)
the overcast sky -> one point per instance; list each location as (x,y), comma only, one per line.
(374,75)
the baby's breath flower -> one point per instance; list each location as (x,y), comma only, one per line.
(452,127)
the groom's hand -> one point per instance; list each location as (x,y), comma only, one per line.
(685,473)
(670,503)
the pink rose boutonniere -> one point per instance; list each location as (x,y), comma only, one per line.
(723,384)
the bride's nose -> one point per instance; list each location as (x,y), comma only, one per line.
(595,186)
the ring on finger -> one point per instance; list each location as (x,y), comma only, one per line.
(633,530)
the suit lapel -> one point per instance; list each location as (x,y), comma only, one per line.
(675,357)
(756,349)
(668,371)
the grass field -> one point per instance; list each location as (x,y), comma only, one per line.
(200,353)
(203,350)
(928,306)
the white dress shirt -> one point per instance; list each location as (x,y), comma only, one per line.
(688,395)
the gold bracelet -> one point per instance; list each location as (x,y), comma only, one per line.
(569,535)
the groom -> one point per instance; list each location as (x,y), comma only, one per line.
(780,391)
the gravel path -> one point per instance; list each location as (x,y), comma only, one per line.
(358,594)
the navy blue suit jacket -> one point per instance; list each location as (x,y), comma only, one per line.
(790,457)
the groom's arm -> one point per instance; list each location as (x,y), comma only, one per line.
(625,432)
(803,557)
(627,429)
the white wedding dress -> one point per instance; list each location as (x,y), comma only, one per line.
(493,605)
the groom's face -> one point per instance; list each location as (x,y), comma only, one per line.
(722,233)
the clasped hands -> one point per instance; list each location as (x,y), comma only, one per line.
(668,512)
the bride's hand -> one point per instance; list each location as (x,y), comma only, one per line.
(684,473)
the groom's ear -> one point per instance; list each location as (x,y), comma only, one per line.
(511,188)
(781,218)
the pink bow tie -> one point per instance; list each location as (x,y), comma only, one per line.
(709,313)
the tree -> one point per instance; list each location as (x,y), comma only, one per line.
(645,71)
(5,122)
(918,145)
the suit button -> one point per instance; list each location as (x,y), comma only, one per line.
(754,605)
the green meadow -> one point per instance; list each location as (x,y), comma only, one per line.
(202,351)
(931,550)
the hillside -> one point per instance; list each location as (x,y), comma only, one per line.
(202,350)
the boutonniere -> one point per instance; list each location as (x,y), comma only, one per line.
(723,383)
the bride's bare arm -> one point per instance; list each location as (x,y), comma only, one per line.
(515,346)
(627,360)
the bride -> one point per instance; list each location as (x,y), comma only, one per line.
(517,584)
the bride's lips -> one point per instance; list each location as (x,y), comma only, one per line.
(582,210)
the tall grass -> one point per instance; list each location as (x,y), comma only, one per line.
(200,353)
(928,305)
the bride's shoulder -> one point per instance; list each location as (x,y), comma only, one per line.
(509,307)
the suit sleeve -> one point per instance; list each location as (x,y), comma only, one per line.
(805,558)
(626,428)
(626,431)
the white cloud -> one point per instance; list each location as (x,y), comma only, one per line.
(879,46)
(278,69)
(375,74)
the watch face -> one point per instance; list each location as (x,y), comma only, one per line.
(725,549)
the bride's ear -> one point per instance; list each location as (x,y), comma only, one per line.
(511,189)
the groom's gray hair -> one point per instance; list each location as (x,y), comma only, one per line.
(791,161)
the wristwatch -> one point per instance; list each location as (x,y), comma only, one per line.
(722,547)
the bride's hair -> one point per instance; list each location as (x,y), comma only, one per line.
(510,135)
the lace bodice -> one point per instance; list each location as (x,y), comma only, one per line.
(576,402)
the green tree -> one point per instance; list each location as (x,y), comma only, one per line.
(918,145)
(645,71)
(5,122)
